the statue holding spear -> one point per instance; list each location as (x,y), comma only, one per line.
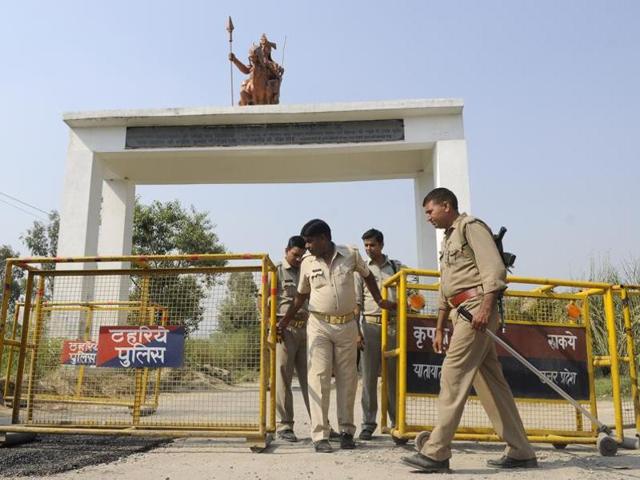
(262,87)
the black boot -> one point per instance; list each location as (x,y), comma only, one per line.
(508,462)
(426,464)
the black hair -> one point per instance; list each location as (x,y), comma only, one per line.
(316,227)
(375,234)
(295,241)
(441,195)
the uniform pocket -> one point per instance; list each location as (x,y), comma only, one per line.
(318,280)
(290,288)
(454,255)
(343,275)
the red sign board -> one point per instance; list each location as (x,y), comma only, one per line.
(140,347)
(78,352)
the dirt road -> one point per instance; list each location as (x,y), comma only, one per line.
(196,459)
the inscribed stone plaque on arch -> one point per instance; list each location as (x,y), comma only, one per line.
(361,131)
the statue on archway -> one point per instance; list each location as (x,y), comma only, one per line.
(262,87)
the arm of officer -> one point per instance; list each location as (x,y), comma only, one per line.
(371,284)
(493,273)
(359,308)
(298,302)
(302,295)
(370,281)
(438,344)
(259,299)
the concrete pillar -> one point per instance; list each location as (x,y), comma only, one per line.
(118,200)
(79,227)
(451,170)
(80,211)
(446,166)
(118,203)
(116,229)
(426,234)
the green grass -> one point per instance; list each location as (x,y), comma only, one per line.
(604,386)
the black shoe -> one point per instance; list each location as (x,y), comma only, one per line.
(426,464)
(322,446)
(334,436)
(508,462)
(288,435)
(366,434)
(346,441)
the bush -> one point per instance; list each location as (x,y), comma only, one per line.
(236,351)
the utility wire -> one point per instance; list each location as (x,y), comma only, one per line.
(24,203)
(24,210)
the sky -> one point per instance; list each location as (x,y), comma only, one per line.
(550,92)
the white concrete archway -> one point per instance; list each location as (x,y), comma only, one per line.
(112,152)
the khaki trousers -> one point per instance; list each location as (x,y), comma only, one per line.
(291,354)
(370,362)
(331,348)
(472,360)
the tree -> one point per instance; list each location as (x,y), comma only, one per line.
(239,310)
(158,229)
(16,285)
(627,272)
(41,239)
(169,229)
(239,322)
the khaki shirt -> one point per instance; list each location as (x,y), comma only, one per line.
(469,258)
(332,287)
(288,278)
(380,273)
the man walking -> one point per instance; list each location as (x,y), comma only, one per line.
(382,267)
(472,275)
(291,351)
(327,282)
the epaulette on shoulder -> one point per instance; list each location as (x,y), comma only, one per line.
(468,219)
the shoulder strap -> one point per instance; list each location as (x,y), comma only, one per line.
(394,266)
(466,221)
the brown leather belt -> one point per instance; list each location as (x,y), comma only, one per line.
(335,319)
(463,296)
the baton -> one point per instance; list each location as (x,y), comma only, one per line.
(606,444)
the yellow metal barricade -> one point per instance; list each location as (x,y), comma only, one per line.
(78,391)
(627,305)
(171,346)
(553,320)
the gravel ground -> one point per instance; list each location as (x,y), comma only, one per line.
(50,454)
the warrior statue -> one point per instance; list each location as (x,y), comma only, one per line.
(265,75)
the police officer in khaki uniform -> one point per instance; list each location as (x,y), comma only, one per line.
(472,274)
(327,282)
(371,334)
(291,351)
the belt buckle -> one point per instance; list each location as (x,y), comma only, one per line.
(338,319)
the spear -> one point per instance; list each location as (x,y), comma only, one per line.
(230,30)
(283,47)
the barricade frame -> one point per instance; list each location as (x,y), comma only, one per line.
(38,269)
(625,294)
(403,431)
(89,308)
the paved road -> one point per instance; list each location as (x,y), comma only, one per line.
(50,454)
